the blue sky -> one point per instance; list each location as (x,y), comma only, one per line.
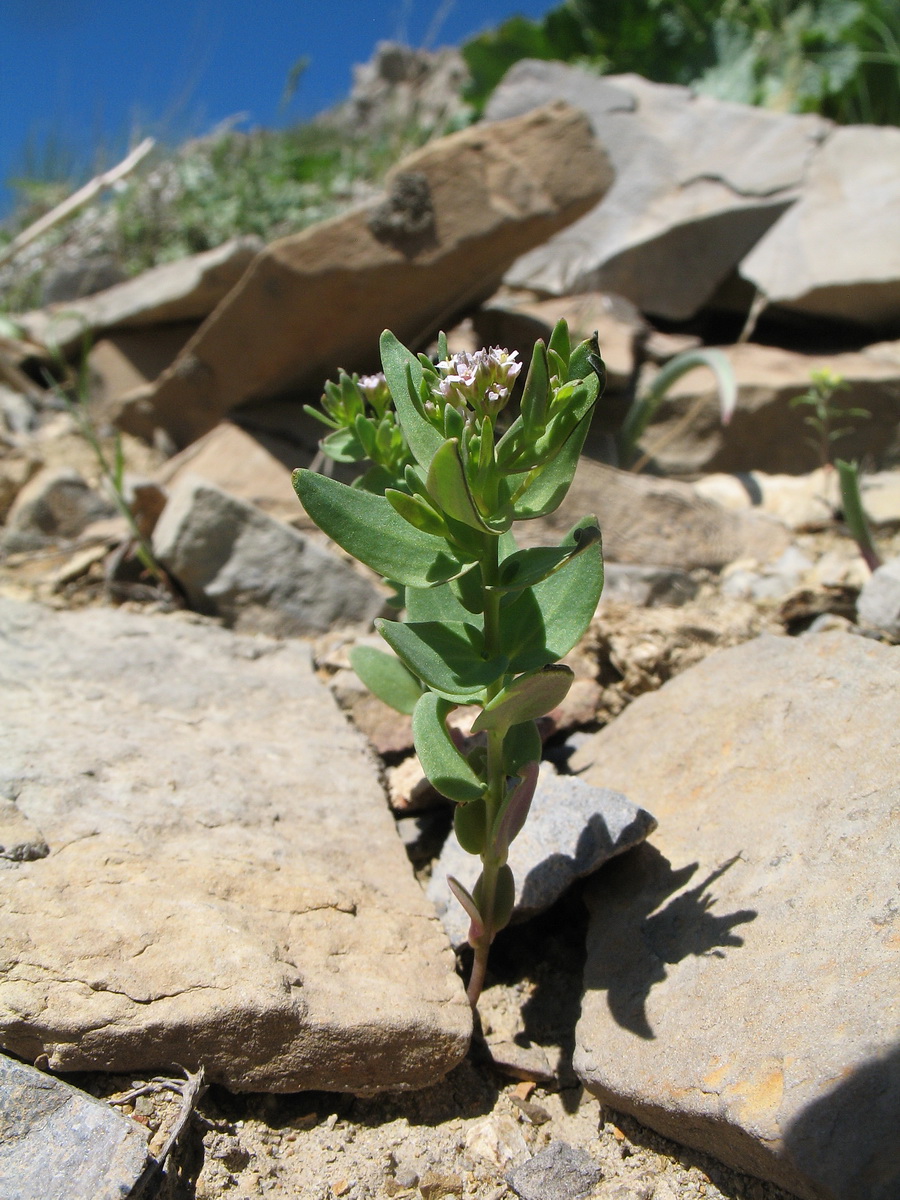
(78,74)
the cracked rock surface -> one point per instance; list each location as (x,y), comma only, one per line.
(205,899)
(740,986)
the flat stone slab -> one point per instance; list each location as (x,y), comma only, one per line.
(185,290)
(224,885)
(572,829)
(836,252)
(57,1143)
(698,181)
(741,982)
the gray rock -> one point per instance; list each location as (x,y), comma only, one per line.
(836,252)
(402,87)
(879,601)
(224,886)
(18,414)
(799,501)
(57,1143)
(185,290)
(773,582)
(560,1172)
(242,465)
(80,277)
(256,572)
(661,521)
(20,840)
(55,505)
(647,587)
(739,966)
(572,830)
(698,181)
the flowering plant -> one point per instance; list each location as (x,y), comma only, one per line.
(486,622)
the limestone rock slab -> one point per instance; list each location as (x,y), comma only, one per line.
(57,1143)
(698,182)
(224,885)
(457,213)
(572,829)
(741,983)
(261,575)
(836,253)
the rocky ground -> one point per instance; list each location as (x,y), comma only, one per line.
(473,1134)
(463,1137)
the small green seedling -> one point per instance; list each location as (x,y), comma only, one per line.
(486,622)
(824,383)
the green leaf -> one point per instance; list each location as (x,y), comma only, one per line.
(386,677)
(376,479)
(449,488)
(536,395)
(559,341)
(514,813)
(521,746)
(527,567)
(404,373)
(470,826)
(552,481)
(367,527)
(447,655)
(526,698)
(543,623)
(440,604)
(415,510)
(343,446)
(586,362)
(504,900)
(445,765)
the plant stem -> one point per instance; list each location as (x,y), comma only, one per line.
(496,779)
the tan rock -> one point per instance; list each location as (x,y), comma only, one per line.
(658,522)
(516,320)
(17,467)
(241,465)
(766,433)
(742,966)
(800,501)
(457,213)
(127,359)
(225,885)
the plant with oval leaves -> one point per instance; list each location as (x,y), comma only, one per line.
(486,622)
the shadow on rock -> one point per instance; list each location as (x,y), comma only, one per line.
(847,1140)
(641,926)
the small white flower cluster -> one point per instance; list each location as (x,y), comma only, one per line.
(375,391)
(481,381)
